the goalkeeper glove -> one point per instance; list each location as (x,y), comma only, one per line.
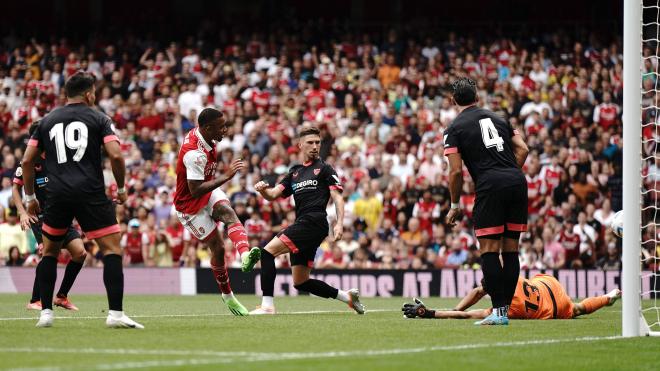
(418,309)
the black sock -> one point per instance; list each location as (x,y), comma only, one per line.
(113,278)
(494,276)
(318,288)
(35,286)
(268,273)
(47,275)
(70,274)
(511,271)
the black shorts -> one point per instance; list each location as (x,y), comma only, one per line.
(304,236)
(96,217)
(501,212)
(70,235)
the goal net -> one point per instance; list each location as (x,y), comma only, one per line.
(649,252)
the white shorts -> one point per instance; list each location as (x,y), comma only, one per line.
(201,225)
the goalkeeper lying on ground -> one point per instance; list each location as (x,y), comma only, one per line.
(541,297)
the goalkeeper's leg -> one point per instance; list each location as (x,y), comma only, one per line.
(590,305)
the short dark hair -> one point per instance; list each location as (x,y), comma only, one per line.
(464,91)
(309,131)
(208,115)
(78,84)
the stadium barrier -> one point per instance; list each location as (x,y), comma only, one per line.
(445,283)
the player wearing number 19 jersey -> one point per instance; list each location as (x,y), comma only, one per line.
(71,138)
(493,153)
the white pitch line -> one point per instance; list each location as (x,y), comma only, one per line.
(200,315)
(229,357)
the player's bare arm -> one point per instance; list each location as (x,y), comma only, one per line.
(268,192)
(520,149)
(455,186)
(199,187)
(25,218)
(118,168)
(417,309)
(338,229)
(28,162)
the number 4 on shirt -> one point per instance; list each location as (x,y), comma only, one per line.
(490,135)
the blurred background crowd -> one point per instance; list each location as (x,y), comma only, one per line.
(382,101)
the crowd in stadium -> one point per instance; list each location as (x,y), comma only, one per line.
(382,103)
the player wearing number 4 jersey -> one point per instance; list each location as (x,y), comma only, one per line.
(200,203)
(71,138)
(493,153)
(541,297)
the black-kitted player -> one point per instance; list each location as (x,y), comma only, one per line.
(72,241)
(311,184)
(71,138)
(493,153)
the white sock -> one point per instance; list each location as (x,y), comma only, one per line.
(267,302)
(244,256)
(46,311)
(343,296)
(116,313)
(228,296)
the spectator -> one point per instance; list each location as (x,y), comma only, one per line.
(15,259)
(11,235)
(135,245)
(457,255)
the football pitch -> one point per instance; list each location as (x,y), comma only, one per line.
(308,333)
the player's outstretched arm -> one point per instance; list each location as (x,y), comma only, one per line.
(199,187)
(268,192)
(417,309)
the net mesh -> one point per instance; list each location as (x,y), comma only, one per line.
(650,163)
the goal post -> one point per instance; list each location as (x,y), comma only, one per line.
(640,277)
(632,167)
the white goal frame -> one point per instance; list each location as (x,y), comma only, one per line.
(633,322)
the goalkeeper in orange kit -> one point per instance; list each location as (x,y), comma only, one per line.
(541,297)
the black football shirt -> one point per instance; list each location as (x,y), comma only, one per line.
(310,185)
(484,141)
(71,138)
(40,180)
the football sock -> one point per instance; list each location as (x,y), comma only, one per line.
(47,275)
(493,274)
(343,296)
(35,287)
(113,279)
(318,288)
(267,302)
(268,273)
(593,304)
(221,276)
(238,236)
(70,274)
(511,271)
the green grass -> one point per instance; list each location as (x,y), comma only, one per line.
(197,332)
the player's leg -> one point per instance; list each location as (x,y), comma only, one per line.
(301,267)
(97,219)
(35,302)
(57,218)
(516,222)
(76,248)
(274,248)
(222,211)
(216,244)
(590,305)
(489,227)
